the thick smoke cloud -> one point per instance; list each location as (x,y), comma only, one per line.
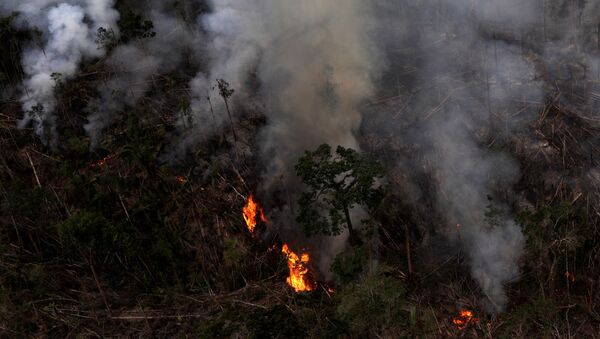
(68,32)
(478,72)
(315,65)
(468,81)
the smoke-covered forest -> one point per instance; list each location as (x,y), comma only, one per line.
(300,169)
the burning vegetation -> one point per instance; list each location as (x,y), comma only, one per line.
(100,163)
(300,278)
(253,213)
(411,154)
(464,319)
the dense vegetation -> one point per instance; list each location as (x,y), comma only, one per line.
(119,242)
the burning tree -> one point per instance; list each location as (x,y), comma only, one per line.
(336,183)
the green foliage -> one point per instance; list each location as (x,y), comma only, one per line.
(233,252)
(538,318)
(224,90)
(76,147)
(373,305)
(218,328)
(106,38)
(276,322)
(88,231)
(134,27)
(11,42)
(347,266)
(25,204)
(336,184)
(551,228)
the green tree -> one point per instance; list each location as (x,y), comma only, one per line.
(337,183)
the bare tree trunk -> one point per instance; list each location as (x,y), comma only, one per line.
(352,236)
(230,119)
(212,112)
(407,245)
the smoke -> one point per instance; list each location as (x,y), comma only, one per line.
(315,66)
(68,33)
(466,75)
(466,84)
(132,67)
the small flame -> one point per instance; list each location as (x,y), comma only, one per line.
(463,320)
(300,278)
(570,276)
(252,211)
(181,179)
(99,163)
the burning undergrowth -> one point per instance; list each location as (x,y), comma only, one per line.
(300,277)
(482,117)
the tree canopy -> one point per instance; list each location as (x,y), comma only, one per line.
(336,183)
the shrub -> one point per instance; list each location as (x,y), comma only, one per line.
(276,322)
(88,231)
(373,305)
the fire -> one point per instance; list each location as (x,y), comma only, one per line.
(570,276)
(252,211)
(99,163)
(299,279)
(463,320)
(181,179)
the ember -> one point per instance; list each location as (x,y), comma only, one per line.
(181,179)
(300,278)
(463,320)
(252,211)
(570,276)
(99,163)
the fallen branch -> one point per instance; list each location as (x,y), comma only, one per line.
(37,179)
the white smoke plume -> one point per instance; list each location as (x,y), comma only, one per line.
(464,78)
(68,29)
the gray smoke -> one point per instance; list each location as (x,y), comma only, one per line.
(315,65)
(469,82)
(475,73)
(469,73)
(68,32)
(132,66)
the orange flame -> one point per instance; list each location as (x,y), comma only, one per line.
(251,212)
(299,279)
(465,317)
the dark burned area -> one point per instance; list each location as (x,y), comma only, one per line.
(424,170)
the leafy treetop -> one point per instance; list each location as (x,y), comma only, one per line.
(336,183)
